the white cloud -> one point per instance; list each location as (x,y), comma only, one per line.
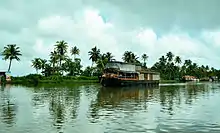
(87,27)
(212,37)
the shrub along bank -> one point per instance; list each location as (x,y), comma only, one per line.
(36,79)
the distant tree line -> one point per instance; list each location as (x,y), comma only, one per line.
(170,66)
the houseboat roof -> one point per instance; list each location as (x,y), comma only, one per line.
(2,72)
(120,62)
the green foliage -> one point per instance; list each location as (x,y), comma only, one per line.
(94,54)
(10,53)
(74,51)
(170,69)
(87,72)
(130,57)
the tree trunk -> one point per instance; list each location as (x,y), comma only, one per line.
(92,69)
(9,67)
(37,71)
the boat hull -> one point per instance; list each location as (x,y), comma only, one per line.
(118,82)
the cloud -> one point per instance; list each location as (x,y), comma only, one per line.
(145,26)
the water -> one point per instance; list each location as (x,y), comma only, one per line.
(181,108)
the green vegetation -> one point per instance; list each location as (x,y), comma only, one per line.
(170,68)
(10,53)
(62,68)
(37,78)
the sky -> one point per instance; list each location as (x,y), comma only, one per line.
(190,29)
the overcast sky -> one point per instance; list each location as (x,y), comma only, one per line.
(188,28)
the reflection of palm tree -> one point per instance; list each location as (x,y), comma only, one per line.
(7,109)
(63,104)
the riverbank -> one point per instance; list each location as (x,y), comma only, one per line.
(39,79)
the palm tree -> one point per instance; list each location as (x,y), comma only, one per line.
(37,64)
(130,57)
(11,52)
(94,54)
(162,60)
(207,68)
(178,60)
(170,56)
(102,61)
(109,56)
(61,48)
(54,58)
(144,57)
(74,51)
(188,63)
(43,63)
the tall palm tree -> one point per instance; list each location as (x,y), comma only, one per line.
(162,60)
(102,61)
(11,52)
(144,57)
(207,68)
(54,58)
(74,51)
(61,48)
(43,63)
(94,54)
(170,56)
(178,60)
(130,57)
(188,63)
(36,63)
(109,56)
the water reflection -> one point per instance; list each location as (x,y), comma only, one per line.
(8,107)
(63,102)
(81,108)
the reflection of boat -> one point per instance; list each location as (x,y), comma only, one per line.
(116,95)
(124,74)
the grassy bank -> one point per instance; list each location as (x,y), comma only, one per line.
(169,81)
(39,79)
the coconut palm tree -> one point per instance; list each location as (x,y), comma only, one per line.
(37,64)
(144,57)
(11,52)
(130,57)
(187,63)
(109,56)
(61,48)
(94,54)
(178,60)
(74,51)
(102,61)
(170,56)
(54,58)
(43,63)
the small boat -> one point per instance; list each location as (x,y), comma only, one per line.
(128,74)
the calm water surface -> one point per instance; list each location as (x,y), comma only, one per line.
(92,109)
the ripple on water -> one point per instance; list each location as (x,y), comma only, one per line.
(187,108)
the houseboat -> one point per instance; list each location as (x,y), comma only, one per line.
(189,78)
(126,74)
